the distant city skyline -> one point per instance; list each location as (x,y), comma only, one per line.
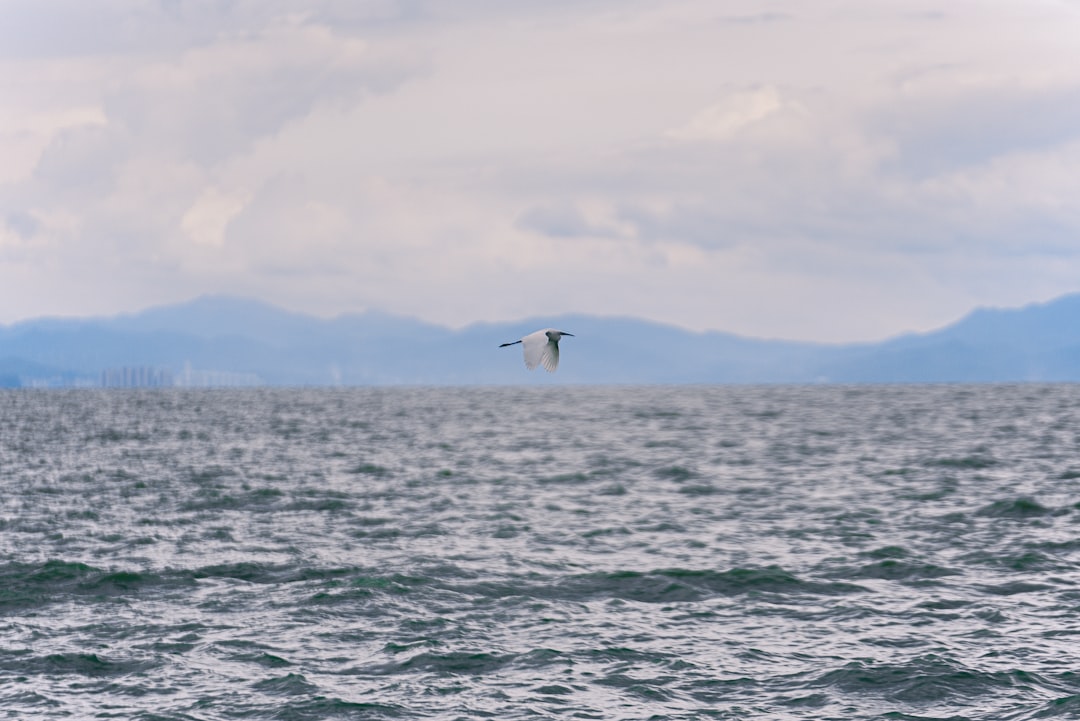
(830,171)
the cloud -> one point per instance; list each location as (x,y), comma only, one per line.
(147,148)
(940,129)
(23,224)
(215,101)
(80,162)
(564,220)
(723,120)
(206,220)
(287,226)
(134,28)
(878,168)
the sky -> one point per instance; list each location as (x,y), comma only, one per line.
(817,170)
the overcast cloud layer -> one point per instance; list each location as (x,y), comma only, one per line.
(814,170)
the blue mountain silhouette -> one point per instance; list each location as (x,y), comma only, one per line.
(225,337)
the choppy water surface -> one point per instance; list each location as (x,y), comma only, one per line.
(577,553)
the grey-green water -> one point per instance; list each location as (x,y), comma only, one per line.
(564,553)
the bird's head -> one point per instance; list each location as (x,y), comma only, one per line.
(555,335)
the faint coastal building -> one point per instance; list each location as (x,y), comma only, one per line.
(137,377)
(193,378)
(155,377)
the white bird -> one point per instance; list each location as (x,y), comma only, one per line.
(541,347)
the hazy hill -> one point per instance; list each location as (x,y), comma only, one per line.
(222,339)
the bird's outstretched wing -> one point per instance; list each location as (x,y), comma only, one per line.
(550,356)
(534,346)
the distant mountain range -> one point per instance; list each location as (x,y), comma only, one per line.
(223,340)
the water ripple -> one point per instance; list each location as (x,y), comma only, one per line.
(607,553)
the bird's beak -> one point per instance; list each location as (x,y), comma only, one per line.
(569,334)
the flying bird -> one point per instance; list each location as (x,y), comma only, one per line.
(541,347)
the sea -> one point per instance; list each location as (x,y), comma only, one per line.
(564,552)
